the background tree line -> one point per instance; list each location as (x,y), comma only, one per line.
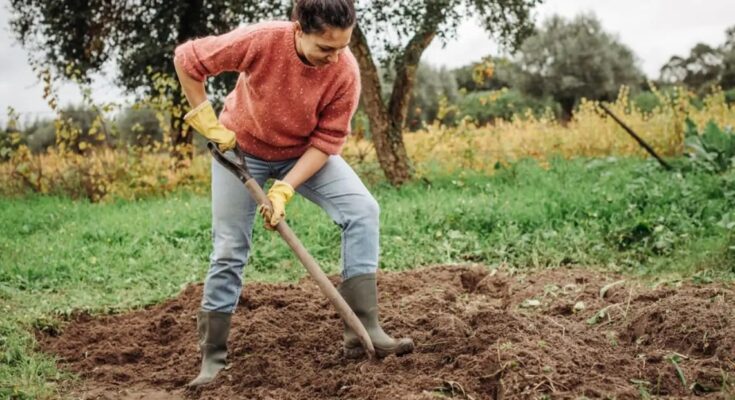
(561,63)
(548,69)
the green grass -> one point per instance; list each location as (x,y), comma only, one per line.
(58,256)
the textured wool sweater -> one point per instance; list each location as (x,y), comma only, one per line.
(280,105)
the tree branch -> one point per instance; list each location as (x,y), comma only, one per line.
(406,72)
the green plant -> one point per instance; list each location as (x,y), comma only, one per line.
(487,106)
(713,149)
(730,96)
(10,139)
(646,101)
(67,256)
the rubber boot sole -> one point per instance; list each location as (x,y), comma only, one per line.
(404,346)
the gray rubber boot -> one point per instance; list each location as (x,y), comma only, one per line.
(361,293)
(213,327)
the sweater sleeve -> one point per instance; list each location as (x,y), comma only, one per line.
(211,55)
(333,127)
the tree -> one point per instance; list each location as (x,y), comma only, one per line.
(140,36)
(728,59)
(40,135)
(702,69)
(568,60)
(139,126)
(403,30)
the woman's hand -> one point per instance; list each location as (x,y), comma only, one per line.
(279,195)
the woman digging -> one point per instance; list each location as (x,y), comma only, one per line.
(290,114)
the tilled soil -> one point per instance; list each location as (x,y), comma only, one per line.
(480,334)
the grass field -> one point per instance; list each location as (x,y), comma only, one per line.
(627,215)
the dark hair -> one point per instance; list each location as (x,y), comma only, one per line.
(315,16)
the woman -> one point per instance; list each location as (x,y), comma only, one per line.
(290,113)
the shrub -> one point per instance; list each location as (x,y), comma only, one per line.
(488,106)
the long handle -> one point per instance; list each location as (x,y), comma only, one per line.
(343,309)
(637,138)
(240,170)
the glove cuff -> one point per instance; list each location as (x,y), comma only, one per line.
(283,188)
(196,110)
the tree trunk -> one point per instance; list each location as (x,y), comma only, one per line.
(388,141)
(406,77)
(182,146)
(191,25)
(387,123)
(567,108)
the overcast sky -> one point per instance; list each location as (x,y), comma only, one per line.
(654,29)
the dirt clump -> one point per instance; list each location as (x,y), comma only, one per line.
(562,333)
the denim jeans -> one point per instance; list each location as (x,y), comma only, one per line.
(335,188)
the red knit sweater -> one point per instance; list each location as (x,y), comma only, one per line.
(280,106)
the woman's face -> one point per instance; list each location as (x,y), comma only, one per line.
(322,48)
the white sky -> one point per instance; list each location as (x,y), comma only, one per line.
(654,29)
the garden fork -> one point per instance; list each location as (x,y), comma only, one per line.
(240,169)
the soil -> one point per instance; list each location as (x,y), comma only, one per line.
(567,333)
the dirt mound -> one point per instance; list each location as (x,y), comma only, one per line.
(480,334)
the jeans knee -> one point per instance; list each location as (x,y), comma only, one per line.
(230,251)
(369,209)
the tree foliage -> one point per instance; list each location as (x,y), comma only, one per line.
(502,75)
(78,38)
(728,50)
(704,67)
(139,36)
(569,60)
(699,71)
(138,126)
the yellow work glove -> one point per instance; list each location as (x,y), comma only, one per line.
(279,194)
(203,119)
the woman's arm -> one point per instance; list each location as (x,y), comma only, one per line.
(197,59)
(282,191)
(193,89)
(202,116)
(307,165)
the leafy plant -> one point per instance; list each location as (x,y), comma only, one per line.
(10,138)
(713,149)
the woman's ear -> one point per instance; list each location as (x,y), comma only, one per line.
(298,29)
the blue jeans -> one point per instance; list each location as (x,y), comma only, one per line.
(335,188)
